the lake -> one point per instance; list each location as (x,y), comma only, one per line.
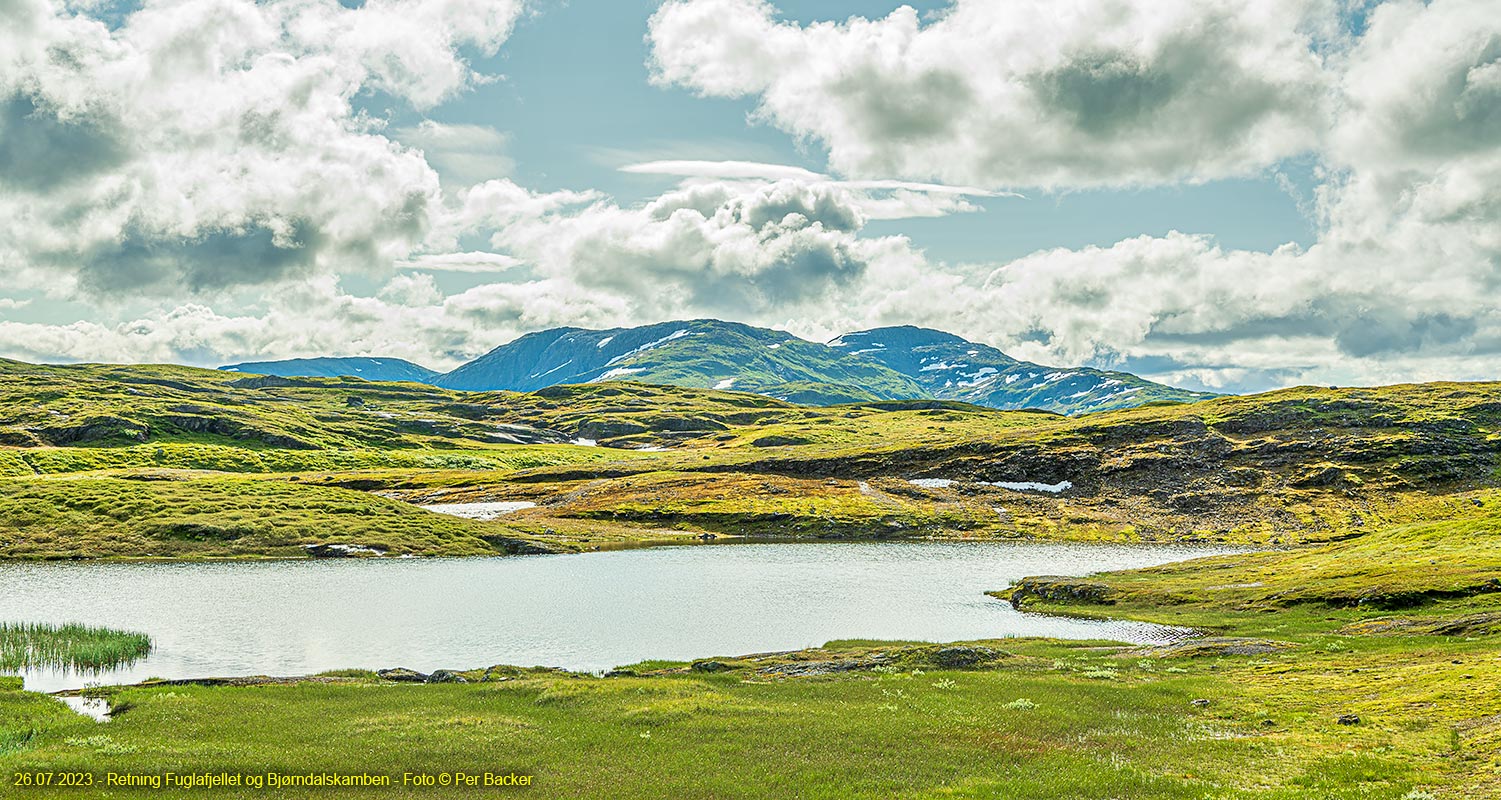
(583,612)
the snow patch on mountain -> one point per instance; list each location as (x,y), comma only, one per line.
(678,334)
(554,369)
(618,372)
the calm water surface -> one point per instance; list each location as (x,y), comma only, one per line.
(583,612)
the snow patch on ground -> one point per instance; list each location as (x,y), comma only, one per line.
(605,341)
(585,442)
(725,384)
(838,343)
(348,549)
(480,511)
(1031,486)
(941,365)
(776,346)
(1019,486)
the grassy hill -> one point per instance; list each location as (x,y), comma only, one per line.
(612,461)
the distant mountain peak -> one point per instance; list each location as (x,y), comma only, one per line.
(371,369)
(899,362)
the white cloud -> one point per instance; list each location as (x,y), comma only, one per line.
(204,144)
(878,199)
(462,154)
(318,319)
(175,173)
(461,262)
(729,170)
(1023,93)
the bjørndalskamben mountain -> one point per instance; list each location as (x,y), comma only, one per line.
(896,363)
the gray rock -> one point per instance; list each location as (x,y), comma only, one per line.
(446,676)
(401,675)
(1199,703)
(710,666)
(1348,719)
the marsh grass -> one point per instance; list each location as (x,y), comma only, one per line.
(79,647)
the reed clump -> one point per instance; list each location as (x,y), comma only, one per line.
(31,645)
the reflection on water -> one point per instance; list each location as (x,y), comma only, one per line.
(583,612)
(96,707)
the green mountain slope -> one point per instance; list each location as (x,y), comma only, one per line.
(705,354)
(952,368)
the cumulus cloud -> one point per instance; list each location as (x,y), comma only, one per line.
(730,248)
(204,144)
(1025,93)
(405,320)
(275,175)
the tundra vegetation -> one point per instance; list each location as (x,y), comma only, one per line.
(1354,655)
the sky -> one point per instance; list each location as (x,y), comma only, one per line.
(1210,193)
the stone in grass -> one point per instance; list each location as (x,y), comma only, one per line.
(446,676)
(402,675)
(1199,703)
(960,656)
(710,666)
(1348,719)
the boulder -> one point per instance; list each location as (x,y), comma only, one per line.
(401,675)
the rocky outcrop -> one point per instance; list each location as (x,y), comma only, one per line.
(1060,589)
(962,656)
(1483,624)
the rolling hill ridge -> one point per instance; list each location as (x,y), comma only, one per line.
(895,363)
